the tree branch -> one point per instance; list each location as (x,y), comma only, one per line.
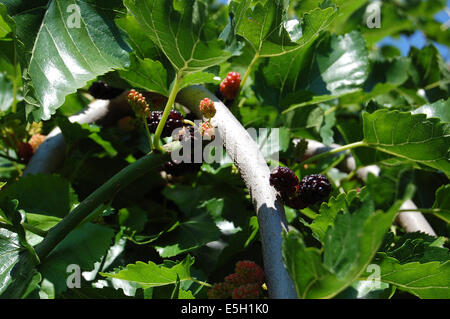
(50,154)
(254,170)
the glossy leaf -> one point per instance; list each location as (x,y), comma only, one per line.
(84,247)
(427,281)
(439,109)
(189,235)
(268,30)
(149,274)
(413,137)
(181,31)
(65,45)
(339,66)
(10,248)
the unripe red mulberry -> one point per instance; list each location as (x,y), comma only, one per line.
(220,290)
(230,85)
(236,280)
(138,103)
(250,271)
(207,108)
(36,140)
(247,291)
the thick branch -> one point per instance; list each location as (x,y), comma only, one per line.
(50,154)
(253,168)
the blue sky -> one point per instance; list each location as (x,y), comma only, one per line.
(418,40)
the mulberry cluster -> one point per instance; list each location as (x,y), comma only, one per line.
(315,188)
(188,137)
(310,190)
(174,121)
(25,151)
(244,283)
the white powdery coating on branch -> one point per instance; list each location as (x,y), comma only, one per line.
(254,170)
(50,154)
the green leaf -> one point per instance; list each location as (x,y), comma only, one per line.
(15,251)
(49,195)
(6,23)
(349,246)
(182,31)
(304,264)
(141,43)
(74,132)
(199,78)
(341,246)
(338,66)
(416,246)
(189,235)
(341,65)
(147,74)
(428,280)
(149,274)
(439,109)
(413,137)
(442,201)
(63,47)
(84,246)
(267,28)
(345,10)
(328,212)
(11,252)
(39,221)
(429,71)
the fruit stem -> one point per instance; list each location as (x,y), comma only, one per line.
(244,79)
(334,151)
(167,109)
(188,122)
(201,282)
(149,136)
